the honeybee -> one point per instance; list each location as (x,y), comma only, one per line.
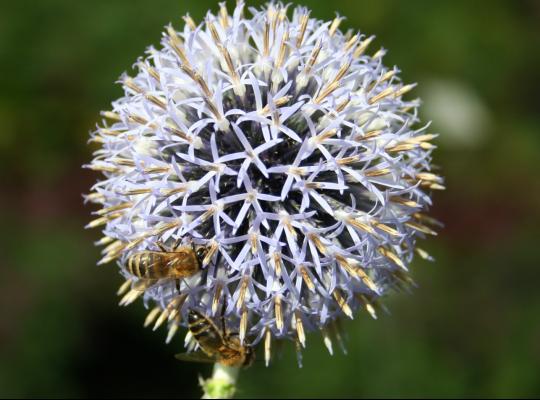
(181,261)
(216,345)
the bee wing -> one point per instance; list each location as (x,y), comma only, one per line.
(195,356)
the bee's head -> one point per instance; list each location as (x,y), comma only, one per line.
(201,252)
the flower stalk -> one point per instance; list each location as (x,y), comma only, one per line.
(222,384)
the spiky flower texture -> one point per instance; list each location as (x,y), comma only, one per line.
(276,142)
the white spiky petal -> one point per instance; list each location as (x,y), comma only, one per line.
(277,140)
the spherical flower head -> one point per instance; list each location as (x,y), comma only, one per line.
(279,146)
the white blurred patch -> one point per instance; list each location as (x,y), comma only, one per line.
(457,112)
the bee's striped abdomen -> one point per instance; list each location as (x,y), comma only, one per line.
(139,264)
(205,333)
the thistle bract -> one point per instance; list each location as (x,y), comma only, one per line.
(279,144)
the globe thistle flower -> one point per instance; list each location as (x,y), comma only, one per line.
(279,145)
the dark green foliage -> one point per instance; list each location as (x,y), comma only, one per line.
(470,329)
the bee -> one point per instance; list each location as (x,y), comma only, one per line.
(181,261)
(216,345)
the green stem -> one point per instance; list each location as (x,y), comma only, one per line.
(222,384)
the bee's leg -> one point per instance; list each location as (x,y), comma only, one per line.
(177,244)
(161,246)
(223,326)
(179,283)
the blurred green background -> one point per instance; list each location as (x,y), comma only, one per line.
(472,328)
